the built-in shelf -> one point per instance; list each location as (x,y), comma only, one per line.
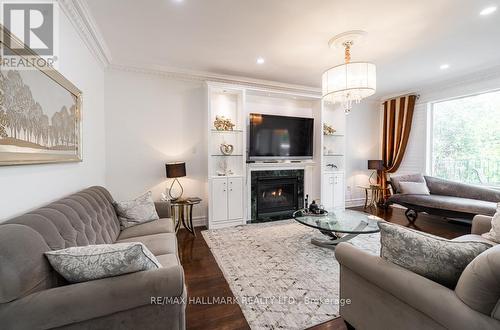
(326,155)
(233,131)
(232,155)
(339,135)
(226,176)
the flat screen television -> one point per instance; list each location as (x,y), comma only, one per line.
(279,137)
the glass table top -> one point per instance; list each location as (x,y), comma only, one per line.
(344,221)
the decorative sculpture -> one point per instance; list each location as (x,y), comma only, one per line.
(328,129)
(226,149)
(223,124)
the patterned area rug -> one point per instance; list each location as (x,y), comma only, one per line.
(281,280)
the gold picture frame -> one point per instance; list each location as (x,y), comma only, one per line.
(40,110)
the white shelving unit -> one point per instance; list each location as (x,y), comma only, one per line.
(333,158)
(226,172)
(228,175)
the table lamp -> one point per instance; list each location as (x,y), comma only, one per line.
(378,166)
(175,170)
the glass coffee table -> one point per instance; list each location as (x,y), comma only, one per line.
(338,226)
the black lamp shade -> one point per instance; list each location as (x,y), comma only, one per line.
(176,170)
(375,165)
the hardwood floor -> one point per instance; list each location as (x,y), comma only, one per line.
(206,283)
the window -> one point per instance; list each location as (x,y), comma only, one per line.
(465,139)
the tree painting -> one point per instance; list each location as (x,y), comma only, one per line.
(24,123)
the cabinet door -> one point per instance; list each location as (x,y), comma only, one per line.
(219,199)
(327,195)
(235,198)
(338,191)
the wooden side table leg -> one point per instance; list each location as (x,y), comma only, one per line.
(175,217)
(188,222)
(366,198)
(191,220)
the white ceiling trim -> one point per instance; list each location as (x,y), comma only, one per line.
(79,15)
(426,91)
(221,78)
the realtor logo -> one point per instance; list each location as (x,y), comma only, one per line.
(34,24)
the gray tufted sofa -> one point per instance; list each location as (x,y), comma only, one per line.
(33,296)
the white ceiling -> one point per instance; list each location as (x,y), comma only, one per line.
(407,39)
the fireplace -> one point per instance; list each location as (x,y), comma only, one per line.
(276,194)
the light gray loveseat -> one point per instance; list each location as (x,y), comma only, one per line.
(34,296)
(447,198)
(386,296)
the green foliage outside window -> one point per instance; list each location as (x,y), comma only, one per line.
(466,139)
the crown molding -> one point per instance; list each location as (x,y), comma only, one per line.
(438,85)
(173,73)
(79,15)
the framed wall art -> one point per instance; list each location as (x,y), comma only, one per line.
(40,111)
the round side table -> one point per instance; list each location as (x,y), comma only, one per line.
(376,194)
(182,211)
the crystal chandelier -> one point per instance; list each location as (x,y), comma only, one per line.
(350,82)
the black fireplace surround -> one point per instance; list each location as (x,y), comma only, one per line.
(276,194)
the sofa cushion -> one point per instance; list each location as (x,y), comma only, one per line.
(451,203)
(92,262)
(137,211)
(473,238)
(435,258)
(168,260)
(494,233)
(396,179)
(479,285)
(165,243)
(148,228)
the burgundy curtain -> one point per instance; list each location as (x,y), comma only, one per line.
(398,115)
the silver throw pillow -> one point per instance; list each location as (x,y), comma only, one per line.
(91,262)
(140,210)
(438,259)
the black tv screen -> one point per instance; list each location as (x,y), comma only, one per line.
(280,137)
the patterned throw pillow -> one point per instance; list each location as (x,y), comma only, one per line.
(494,233)
(438,259)
(92,262)
(140,210)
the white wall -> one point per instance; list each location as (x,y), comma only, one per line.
(363,138)
(151,120)
(414,160)
(29,186)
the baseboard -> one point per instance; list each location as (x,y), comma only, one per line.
(199,221)
(355,202)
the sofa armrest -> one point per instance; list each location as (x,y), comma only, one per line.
(422,294)
(481,224)
(87,300)
(163,209)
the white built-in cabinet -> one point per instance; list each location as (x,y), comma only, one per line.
(227,200)
(226,171)
(333,194)
(229,196)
